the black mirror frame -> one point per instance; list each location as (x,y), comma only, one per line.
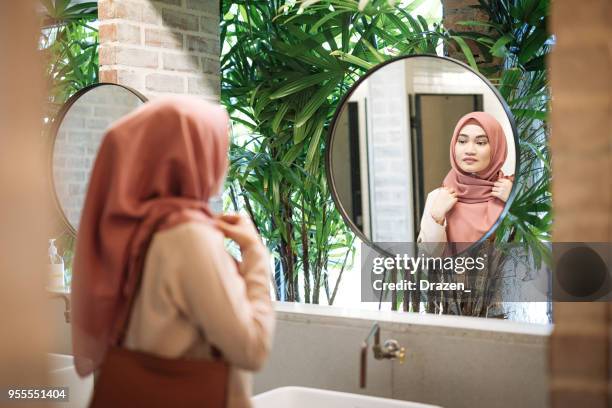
(54,129)
(331,131)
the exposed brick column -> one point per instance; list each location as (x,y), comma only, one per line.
(161,46)
(454,11)
(460,10)
(581,140)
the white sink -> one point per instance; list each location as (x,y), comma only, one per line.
(63,374)
(302,397)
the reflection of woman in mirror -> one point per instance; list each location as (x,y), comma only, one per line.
(475,190)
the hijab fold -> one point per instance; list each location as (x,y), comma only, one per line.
(156,168)
(476,210)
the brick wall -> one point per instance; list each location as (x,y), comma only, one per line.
(581,140)
(78,140)
(161,47)
(454,11)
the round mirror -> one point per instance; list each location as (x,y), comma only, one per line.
(422,149)
(77,134)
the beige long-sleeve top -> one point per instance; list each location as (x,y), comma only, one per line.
(432,236)
(194,295)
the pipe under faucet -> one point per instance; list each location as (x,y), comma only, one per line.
(389,350)
(65,297)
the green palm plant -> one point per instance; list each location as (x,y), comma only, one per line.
(69,42)
(517,34)
(516,39)
(284,68)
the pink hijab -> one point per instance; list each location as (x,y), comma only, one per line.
(156,168)
(475,211)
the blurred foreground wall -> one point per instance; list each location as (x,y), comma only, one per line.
(23,205)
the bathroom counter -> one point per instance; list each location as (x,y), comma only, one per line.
(405,321)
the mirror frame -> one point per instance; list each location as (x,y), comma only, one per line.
(54,129)
(330,138)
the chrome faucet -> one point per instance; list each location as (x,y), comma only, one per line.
(389,350)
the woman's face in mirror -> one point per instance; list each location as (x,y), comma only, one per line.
(472,149)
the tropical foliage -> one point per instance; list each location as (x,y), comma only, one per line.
(517,33)
(284,69)
(286,64)
(69,42)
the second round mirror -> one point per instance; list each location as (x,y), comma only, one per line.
(79,129)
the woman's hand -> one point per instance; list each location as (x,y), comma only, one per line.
(501,189)
(444,201)
(239,228)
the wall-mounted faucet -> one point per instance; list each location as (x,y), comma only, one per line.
(389,350)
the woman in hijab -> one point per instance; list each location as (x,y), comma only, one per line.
(151,271)
(474,191)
